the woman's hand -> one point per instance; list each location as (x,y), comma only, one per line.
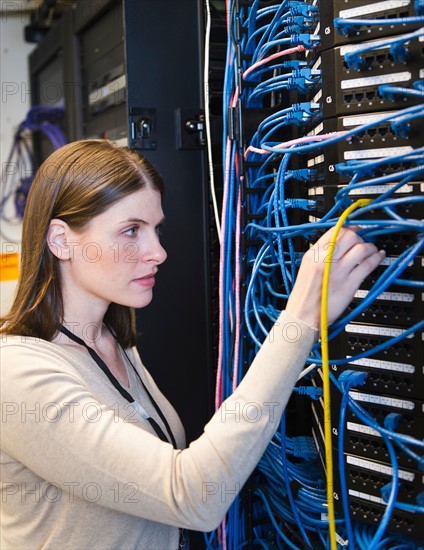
(352,261)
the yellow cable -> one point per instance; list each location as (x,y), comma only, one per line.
(325,369)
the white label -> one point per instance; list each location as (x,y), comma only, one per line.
(317,97)
(317,130)
(374,8)
(382,400)
(361,428)
(315,66)
(383,365)
(389,260)
(366,496)
(421,73)
(379,189)
(379,44)
(375,330)
(316,160)
(378,467)
(377,153)
(358,120)
(393,296)
(376,80)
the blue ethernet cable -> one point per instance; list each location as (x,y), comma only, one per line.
(388,91)
(286,479)
(342,25)
(347,379)
(377,349)
(353,59)
(264,38)
(383,282)
(273,148)
(392,497)
(368,420)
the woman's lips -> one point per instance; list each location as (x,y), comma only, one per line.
(148,280)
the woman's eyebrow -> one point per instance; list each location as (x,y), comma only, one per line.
(139,220)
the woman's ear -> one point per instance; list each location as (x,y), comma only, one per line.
(57,239)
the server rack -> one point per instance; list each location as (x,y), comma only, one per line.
(52,81)
(330,85)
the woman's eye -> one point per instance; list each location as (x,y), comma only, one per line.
(158,230)
(131,232)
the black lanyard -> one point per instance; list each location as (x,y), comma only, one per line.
(122,390)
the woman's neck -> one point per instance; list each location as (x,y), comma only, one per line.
(85,321)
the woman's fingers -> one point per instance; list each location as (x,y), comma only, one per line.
(364,262)
(324,251)
(352,260)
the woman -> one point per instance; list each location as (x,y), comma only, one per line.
(92,455)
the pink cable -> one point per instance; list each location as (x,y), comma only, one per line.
(218,396)
(289,51)
(237,291)
(218,390)
(305,139)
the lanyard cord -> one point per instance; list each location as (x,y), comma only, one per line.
(122,390)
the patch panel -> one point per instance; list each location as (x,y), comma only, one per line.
(402,308)
(414,270)
(366,478)
(406,351)
(379,141)
(371,476)
(388,377)
(346,91)
(364,483)
(394,244)
(370,10)
(401,522)
(359,440)
(380,405)
(352,60)
(370,445)
(326,197)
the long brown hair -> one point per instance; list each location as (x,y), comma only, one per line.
(77,182)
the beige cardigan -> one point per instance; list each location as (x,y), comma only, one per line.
(81,469)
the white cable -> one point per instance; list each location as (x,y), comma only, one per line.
(305,371)
(207,119)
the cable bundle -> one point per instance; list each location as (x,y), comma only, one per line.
(291,171)
(21,161)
